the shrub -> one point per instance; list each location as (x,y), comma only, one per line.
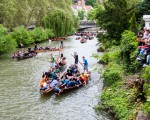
(21,35)
(146,74)
(128,51)
(39,34)
(146,106)
(104,59)
(116,100)
(7,44)
(112,74)
(49,33)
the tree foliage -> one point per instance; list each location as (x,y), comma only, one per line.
(59,21)
(22,36)
(56,17)
(39,34)
(90,2)
(128,51)
(114,18)
(142,8)
(15,12)
(7,44)
(81,14)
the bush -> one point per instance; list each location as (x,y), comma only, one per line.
(7,44)
(146,74)
(116,101)
(146,106)
(128,51)
(112,74)
(104,59)
(39,34)
(114,54)
(22,36)
(49,33)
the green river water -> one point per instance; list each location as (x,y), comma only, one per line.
(19,88)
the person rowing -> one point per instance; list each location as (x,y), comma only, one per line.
(76,57)
(85,63)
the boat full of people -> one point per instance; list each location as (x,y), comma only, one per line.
(20,55)
(47,49)
(59,84)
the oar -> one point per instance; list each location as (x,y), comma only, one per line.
(78,60)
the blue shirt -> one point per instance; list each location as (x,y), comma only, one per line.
(85,62)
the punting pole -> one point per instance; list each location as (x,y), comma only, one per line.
(78,60)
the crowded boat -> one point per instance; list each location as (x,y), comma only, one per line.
(20,55)
(54,82)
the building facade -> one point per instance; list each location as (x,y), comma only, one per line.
(80,5)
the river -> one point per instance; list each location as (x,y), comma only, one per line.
(19,88)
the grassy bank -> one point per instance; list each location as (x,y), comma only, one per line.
(126,85)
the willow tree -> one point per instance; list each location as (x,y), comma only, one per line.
(7,12)
(59,21)
(38,9)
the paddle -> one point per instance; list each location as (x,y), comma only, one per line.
(78,60)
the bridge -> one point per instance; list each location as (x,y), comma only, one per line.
(84,24)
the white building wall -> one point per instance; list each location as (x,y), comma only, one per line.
(146,18)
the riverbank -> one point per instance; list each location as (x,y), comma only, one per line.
(126,92)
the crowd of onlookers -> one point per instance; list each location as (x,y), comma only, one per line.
(144,47)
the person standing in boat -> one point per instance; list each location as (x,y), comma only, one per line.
(76,57)
(35,46)
(50,42)
(61,53)
(52,61)
(61,44)
(85,64)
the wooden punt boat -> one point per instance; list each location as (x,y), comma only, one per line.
(50,50)
(25,57)
(66,89)
(59,39)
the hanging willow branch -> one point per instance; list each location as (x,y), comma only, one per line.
(61,22)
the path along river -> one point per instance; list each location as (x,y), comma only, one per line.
(19,87)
